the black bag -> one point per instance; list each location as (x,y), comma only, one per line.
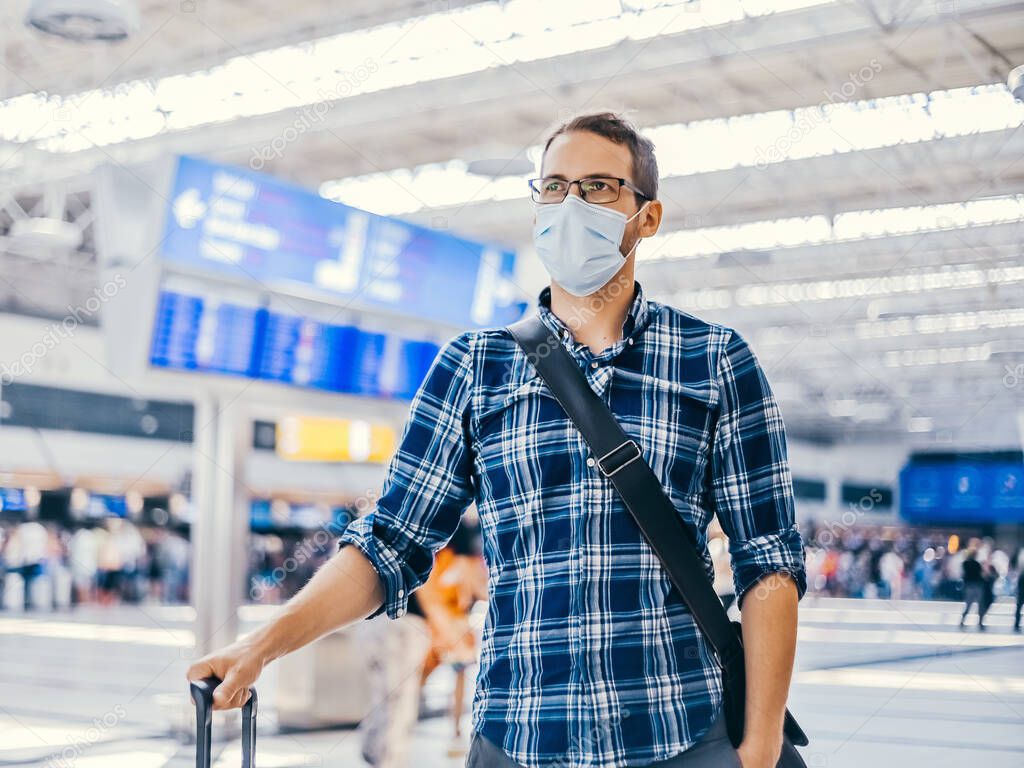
(202,695)
(661,525)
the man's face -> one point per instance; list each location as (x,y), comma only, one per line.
(581,154)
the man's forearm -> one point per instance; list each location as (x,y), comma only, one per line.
(344,590)
(769,640)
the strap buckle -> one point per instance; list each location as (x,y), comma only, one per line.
(629,459)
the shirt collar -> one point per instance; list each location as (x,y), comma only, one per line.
(637,318)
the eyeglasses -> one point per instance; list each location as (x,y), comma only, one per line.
(593,189)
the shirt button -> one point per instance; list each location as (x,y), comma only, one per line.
(594,364)
(591,461)
(400,612)
(401,593)
(629,341)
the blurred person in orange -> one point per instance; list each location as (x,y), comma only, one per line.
(458,581)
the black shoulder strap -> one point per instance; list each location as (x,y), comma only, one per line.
(619,459)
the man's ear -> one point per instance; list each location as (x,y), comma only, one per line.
(650,219)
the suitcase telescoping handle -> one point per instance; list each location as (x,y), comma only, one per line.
(202,695)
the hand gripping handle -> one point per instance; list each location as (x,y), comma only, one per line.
(202,695)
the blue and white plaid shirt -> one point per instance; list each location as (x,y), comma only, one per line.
(588,657)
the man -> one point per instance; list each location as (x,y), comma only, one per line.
(974,587)
(1020,590)
(27,552)
(588,657)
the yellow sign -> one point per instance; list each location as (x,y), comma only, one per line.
(313,438)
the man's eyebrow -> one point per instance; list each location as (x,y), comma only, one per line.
(599,174)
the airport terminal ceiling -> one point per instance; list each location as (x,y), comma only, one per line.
(873,259)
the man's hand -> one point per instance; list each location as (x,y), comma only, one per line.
(759,754)
(238,666)
(344,590)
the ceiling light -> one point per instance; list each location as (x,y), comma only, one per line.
(949,277)
(920,424)
(905,358)
(1015,82)
(84,20)
(44,236)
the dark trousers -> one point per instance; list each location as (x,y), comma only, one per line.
(974,594)
(29,573)
(714,750)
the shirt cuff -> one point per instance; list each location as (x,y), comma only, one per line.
(359,534)
(778,552)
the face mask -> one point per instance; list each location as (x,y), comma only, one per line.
(578,243)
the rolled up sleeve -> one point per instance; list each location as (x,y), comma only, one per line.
(752,482)
(428,484)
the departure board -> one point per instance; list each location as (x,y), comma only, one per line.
(204,334)
(238,222)
(200,333)
(307,353)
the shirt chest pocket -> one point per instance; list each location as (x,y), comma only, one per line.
(675,421)
(521,427)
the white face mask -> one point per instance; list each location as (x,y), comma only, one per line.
(579,242)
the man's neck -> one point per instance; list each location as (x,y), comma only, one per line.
(596,320)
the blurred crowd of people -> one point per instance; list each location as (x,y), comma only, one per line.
(110,561)
(279,566)
(46,566)
(908,564)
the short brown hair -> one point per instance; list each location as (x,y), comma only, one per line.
(621,131)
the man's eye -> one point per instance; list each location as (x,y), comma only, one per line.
(553,186)
(596,186)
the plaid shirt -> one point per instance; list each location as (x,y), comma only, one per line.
(588,657)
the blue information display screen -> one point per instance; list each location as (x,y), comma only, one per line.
(232,220)
(962,492)
(1006,491)
(260,516)
(196,333)
(307,353)
(267,515)
(12,500)
(405,366)
(104,505)
(202,334)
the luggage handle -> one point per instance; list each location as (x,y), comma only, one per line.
(202,695)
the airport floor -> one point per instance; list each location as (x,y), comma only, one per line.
(879,683)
